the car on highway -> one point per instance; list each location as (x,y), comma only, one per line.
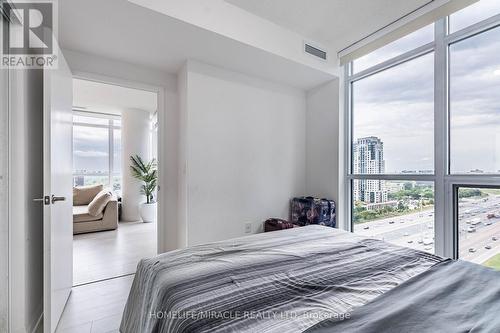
(488,223)
(475,221)
(472,250)
(406,234)
(491,216)
(471,229)
(427,241)
(391,222)
(494,238)
(410,242)
(488,247)
(366,227)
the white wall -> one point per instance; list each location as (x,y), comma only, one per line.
(322,141)
(135,141)
(182,194)
(235,146)
(244,151)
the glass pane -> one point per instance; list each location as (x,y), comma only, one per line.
(90,120)
(90,180)
(473,14)
(393,120)
(90,150)
(117,122)
(398,47)
(117,184)
(117,151)
(474,101)
(404,217)
(479,226)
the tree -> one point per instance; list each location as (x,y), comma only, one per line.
(470,193)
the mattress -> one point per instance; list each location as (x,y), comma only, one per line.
(283,281)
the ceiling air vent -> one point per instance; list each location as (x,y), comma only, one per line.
(315,51)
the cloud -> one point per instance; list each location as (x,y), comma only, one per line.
(400,46)
(397,105)
(474,13)
(90,153)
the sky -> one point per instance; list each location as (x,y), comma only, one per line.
(397,105)
(91,151)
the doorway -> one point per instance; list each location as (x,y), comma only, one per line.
(115,133)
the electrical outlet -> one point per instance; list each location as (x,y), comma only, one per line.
(248,228)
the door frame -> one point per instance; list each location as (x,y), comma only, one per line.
(161,226)
(5,243)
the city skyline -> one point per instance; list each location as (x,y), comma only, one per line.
(404,171)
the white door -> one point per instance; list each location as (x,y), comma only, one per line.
(58,185)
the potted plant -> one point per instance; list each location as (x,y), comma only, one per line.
(147,173)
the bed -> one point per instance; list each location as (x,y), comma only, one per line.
(285,281)
(452,296)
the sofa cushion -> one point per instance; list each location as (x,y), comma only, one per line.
(97,205)
(81,214)
(83,195)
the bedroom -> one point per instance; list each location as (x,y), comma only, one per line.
(387,108)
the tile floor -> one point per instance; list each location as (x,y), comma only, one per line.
(103,268)
(106,254)
(96,307)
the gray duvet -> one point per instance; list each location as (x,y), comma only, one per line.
(284,281)
(451,297)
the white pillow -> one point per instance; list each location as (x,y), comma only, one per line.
(97,205)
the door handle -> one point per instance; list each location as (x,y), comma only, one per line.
(45,200)
(56,199)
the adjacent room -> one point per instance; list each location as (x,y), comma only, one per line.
(115,129)
(284,166)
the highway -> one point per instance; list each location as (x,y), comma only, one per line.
(416,230)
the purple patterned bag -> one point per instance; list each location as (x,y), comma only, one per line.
(310,210)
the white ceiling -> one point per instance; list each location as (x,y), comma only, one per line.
(335,23)
(158,39)
(100,97)
(118,29)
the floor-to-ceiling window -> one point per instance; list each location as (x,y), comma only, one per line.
(423,141)
(97,150)
(392,142)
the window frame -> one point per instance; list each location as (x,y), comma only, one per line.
(445,183)
(110,127)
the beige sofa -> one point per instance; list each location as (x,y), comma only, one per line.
(83,222)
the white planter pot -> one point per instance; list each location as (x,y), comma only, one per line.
(148,212)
